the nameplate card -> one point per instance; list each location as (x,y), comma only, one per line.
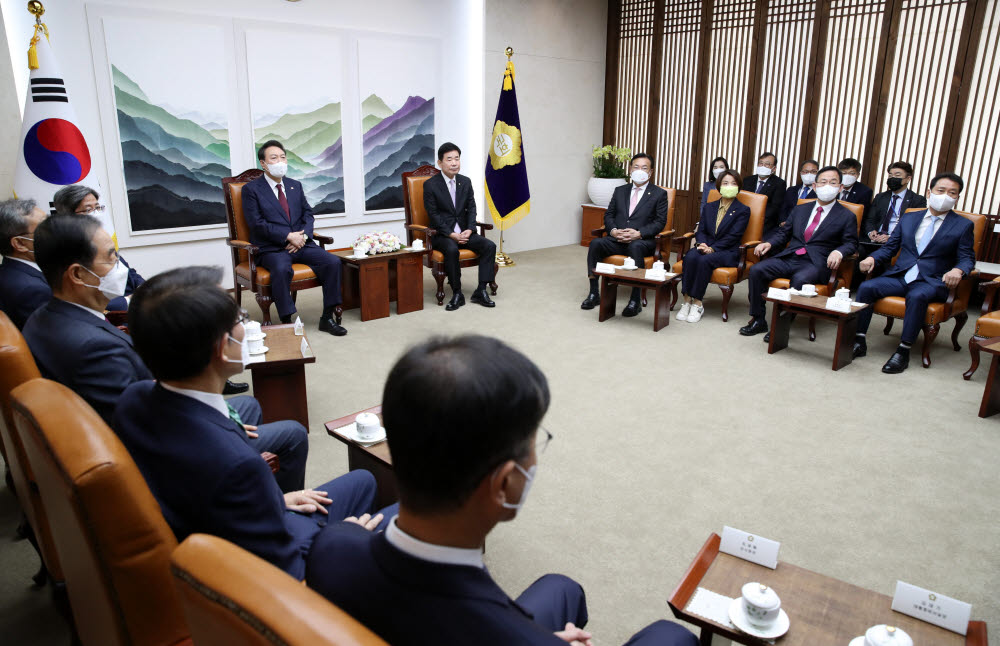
(304,347)
(656,274)
(605,268)
(950,614)
(779,294)
(750,547)
(838,304)
(300,327)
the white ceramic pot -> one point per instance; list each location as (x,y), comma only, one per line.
(601,189)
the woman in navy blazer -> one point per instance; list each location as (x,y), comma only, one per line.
(715,169)
(717,244)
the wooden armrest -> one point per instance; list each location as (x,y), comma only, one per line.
(484,226)
(272,461)
(684,244)
(244,245)
(989,290)
(323,240)
(666,233)
(419,228)
(598,232)
(686,236)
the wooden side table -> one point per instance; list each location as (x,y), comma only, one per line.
(991,393)
(374,459)
(373,282)
(279,381)
(666,293)
(593,218)
(847,324)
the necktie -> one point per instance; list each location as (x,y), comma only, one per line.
(635,200)
(912,272)
(810,229)
(454,202)
(760,185)
(887,220)
(233,415)
(284,203)
(805,191)
(843,195)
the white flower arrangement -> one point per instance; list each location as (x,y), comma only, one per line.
(377,242)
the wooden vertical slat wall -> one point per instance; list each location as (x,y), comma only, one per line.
(634,73)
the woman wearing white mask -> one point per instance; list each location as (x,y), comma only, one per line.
(718,166)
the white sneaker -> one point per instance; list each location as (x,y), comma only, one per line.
(683,314)
(695,314)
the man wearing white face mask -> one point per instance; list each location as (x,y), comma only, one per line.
(803,190)
(22,286)
(935,252)
(464,462)
(766,182)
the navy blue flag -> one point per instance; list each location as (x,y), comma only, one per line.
(507,194)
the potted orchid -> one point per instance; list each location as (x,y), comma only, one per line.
(609,173)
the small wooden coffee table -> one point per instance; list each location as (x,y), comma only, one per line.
(847,324)
(373,282)
(823,611)
(637,278)
(279,381)
(991,393)
(374,459)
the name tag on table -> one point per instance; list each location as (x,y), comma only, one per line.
(653,274)
(304,347)
(605,268)
(750,547)
(950,614)
(779,294)
(838,304)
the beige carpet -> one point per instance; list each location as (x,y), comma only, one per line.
(663,438)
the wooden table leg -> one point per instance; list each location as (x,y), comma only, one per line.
(409,284)
(374,289)
(781,323)
(991,393)
(609,298)
(385,478)
(843,354)
(281,393)
(661,316)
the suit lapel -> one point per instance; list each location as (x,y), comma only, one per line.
(272,197)
(726,219)
(943,229)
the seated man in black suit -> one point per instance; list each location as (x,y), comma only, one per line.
(74,344)
(281,225)
(887,207)
(636,214)
(801,191)
(451,210)
(192,449)
(851,190)
(767,183)
(935,249)
(819,235)
(423,581)
(22,286)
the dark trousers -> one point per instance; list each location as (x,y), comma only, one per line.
(353,494)
(698,268)
(601,248)
(286,439)
(325,265)
(919,294)
(797,269)
(481,245)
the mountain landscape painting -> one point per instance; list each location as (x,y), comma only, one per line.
(397,116)
(300,106)
(173,133)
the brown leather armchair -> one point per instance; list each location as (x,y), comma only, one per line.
(246,273)
(987,325)
(955,306)
(112,540)
(418,225)
(231,596)
(728,277)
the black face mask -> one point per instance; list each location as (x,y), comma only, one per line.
(894,184)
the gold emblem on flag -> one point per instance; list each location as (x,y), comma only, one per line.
(505,146)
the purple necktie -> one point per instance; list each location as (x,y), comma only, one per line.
(810,229)
(454,202)
(284,203)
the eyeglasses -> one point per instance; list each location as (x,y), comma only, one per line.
(542,442)
(100,208)
(244,317)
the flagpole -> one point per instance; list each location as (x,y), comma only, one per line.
(502,259)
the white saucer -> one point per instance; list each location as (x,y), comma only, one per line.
(358,257)
(262,350)
(739,618)
(375,439)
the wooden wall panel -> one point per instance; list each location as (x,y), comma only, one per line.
(634,73)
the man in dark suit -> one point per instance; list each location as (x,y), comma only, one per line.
(819,234)
(22,286)
(636,214)
(852,190)
(801,191)
(191,447)
(887,207)
(767,183)
(74,344)
(281,225)
(423,581)
(935,249)
(451,209)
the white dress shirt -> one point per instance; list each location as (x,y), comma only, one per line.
(99,315)
(33,265)
(274,186)
(215,400)
(826,212)
(642,191)
(926,222)
(430,552)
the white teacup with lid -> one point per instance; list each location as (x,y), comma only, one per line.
(808,289)
(843,293)
(659,266)
(368,426)
(761,604)
(883,635)
(253,330)
(629,264)
(418,244)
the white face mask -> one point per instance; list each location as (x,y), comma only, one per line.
(113,283)
(849,180)
(31,251)
(826,192)
(278,169)
(941,202)
(529,477)
(639,177)
(244,359)
(718,171)
(763,171)
(808,179)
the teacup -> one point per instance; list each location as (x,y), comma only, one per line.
(659,266)
(808,289)
(418,244)
(629,264)
(844,293)
(883,635)
(360,251)
(256,344)
(760,604)
(368,425)
(252,329)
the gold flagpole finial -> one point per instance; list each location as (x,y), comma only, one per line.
(509,51)
(36,9)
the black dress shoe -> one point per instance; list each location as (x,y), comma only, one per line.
(897,363)
(633,308)
(328,325)
(589,303)
(233,388)
(457,301)
(860,347)
(480,296)
(767,338)
(754,328)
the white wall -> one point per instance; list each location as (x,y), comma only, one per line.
(462,55)
(559,49)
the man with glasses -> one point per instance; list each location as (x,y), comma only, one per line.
(22,286)
(766,182)
(464,461)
